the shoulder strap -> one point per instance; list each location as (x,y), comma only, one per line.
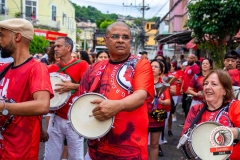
(64,68)
(4,71)
(198,116)
(98,76)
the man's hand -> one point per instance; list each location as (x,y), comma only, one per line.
(66,86)
(106,108)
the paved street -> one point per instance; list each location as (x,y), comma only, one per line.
(169,150)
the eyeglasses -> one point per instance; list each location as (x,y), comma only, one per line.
(155,67)
(117,36)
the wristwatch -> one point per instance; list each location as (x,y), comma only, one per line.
(5,110)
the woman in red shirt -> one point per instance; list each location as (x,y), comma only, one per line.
(161,102)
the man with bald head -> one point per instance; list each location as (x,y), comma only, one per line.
(25,92)
(127,83)
(190,71)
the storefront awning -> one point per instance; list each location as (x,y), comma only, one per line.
(177,37)
(237,36)
(191,44)
(160,36)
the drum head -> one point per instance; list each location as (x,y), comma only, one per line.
(82,121)
(200,140)
(59,100)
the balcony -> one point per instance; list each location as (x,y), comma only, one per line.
(44,24)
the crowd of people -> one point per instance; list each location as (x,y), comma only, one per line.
(141,95)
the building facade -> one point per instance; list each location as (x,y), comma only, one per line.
(50,18)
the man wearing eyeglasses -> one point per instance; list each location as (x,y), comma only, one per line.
(127,96)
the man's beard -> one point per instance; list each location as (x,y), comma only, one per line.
(8,50)
(190,63)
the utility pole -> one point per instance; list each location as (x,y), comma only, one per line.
(142,10)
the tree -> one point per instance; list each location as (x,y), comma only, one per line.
(212,21)
(106,23)
(38,44)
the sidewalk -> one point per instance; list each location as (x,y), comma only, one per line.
(169,150)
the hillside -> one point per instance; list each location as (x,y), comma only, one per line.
(92,14)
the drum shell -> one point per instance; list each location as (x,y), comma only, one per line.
(87,124)
(59,100)
(193,148)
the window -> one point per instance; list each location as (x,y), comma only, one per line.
(31,8)
(2,6)
(54,13)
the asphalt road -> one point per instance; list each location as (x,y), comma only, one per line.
(169,150)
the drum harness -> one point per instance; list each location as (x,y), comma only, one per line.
(186,135)
(62,69)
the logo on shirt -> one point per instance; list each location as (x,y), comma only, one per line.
(125,75)
(189,71)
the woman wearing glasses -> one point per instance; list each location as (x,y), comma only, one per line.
(160,102)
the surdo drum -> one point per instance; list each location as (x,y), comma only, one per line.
(59,100)
(82,120)
(209,140)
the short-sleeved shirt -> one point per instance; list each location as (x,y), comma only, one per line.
(128,139)
(235,76)
(178,76)
(227,117)
(21,137)
(197,85)
(164,96)
(75,71)
(188,74)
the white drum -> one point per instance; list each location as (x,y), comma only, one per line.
(59,100)
(82,121)
(202,142)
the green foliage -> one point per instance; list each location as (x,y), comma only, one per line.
(92,14)
(152,19)
(106,23)
(38,44)
(212,21)
(138,21)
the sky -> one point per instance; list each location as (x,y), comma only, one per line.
(157,7)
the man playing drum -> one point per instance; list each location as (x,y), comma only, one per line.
(127,83)
(25,93)
(59,128)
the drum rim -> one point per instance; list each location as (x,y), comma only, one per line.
(69,117)
(55,74)
(190,144)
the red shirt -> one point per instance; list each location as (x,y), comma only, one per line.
(197,85)
(128,139)
(21,137)
(164,96)
(235,76)
(230,118)
(178,75)
(75,71)
(188,74)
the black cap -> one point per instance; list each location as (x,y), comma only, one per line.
(232,54)
(143,52)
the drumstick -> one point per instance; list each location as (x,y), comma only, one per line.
(91,115)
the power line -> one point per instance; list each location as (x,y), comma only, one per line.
(153,11)
(161,7)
